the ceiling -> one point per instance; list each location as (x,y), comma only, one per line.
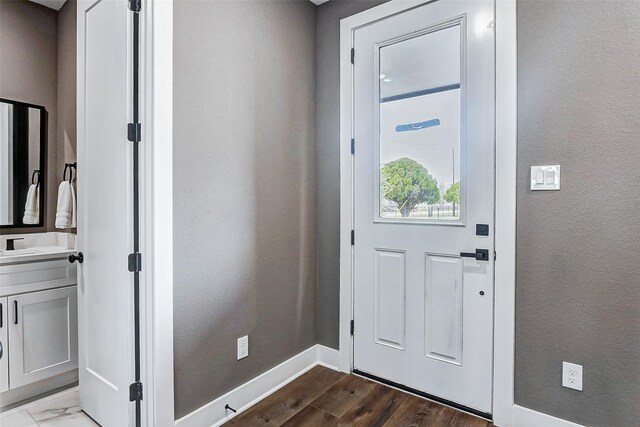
(52,4)
(319,2)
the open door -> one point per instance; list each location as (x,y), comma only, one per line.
(106,315)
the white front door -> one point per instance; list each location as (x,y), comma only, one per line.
(104,211)
(424,200)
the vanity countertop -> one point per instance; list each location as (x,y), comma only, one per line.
(37,247)
(41,253)
(38,263)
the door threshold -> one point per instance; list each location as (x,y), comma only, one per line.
(485,415)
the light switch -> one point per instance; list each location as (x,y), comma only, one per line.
(549,177)
(545,177)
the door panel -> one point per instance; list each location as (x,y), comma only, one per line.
(104,225)
(424,177)
(390,297)
(43,335)
(443,308)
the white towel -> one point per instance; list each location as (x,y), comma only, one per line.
(32,206)
(66,212)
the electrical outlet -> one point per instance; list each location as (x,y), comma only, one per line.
(572,376)
(243,347)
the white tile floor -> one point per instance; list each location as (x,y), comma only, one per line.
(61,409)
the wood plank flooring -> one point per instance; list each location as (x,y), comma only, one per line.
(323,397)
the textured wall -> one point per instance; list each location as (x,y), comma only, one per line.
(244,191)
(328,161)
(66,107)
(578,292)
(28,72)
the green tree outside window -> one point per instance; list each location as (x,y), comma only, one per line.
(452,195)
(408,183)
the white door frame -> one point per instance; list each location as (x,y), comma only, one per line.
(505,207)
(156,160)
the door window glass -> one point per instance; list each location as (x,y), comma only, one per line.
(419,128)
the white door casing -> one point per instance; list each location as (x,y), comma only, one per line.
(423,314)
(104,211)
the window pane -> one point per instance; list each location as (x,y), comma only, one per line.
(420,127)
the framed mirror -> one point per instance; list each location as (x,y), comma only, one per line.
(23,134)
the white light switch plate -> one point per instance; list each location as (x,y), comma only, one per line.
(545,177)
(243,347)
(572,376)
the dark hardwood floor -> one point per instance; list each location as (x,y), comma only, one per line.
(323,397)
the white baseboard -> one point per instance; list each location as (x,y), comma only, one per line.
(328,357)
(248,394)
(525,417)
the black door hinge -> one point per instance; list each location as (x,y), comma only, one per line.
(353,56)
(135,262)
(352,327)
(495,255)
(135,392)
(353,146)
(133,132)
(353,237)
(135,5)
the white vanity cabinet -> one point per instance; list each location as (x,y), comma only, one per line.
(4,353)
(38,319)
(43,335)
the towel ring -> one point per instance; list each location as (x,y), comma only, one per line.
(33,175)
(69,166)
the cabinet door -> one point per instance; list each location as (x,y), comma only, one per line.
(4,343)
(43,331)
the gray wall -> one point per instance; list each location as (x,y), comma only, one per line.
(328,162)
(578,292)
(28,72)
(66,106)
(244,191)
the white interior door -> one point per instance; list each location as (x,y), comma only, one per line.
(424,195)
(104,211)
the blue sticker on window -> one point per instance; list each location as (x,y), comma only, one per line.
(417,126)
